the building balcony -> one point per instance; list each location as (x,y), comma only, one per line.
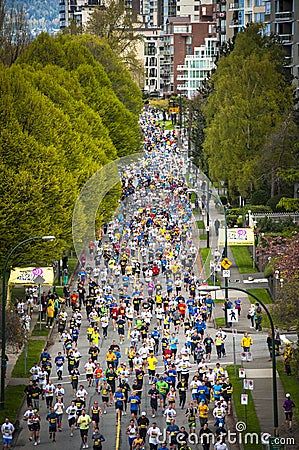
(182,77)
(221,30)
(286,38)
(284,16)
(181,67)
(235,23)
(234,6)
(182,87)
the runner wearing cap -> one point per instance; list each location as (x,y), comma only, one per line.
(288,406)
(143,424)
(95,413)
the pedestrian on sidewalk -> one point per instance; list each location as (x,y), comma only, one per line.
(258,317)
(238,305)
(287,357)
(217,226)
(270,346)
(227,305)
(288,406)
(246,342)
(250,315)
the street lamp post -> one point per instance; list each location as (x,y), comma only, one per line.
(210,194)
(3,336)
(274,380)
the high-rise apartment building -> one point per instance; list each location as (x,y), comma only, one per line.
(77,11)
(282,18)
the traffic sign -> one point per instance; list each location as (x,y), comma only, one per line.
(226,263)
(248,384)
(232,315)
(244,399)
(226,273)
(241,372)
(39,280)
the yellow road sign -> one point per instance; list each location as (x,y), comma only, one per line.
(226,263)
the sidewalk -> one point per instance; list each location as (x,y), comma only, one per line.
(260,369)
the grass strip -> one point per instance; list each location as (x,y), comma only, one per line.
(200,224)
(14,396)
(249,415)
(290,384)
(260,293)
(34,350)
(37,331)
(220,321)
(243,259)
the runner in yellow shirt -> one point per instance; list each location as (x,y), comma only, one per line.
(84,421)
(151,366)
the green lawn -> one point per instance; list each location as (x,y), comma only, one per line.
(243,259)
(265,297)
(205,253)
(40,332)
(220,321)
(14,396)
(34,350)
(290,384)
(200,224)
(203,237)
(250,417)
(72,262)
(169,125)
(262,294)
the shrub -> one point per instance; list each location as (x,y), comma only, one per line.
(259,197)
(272,202)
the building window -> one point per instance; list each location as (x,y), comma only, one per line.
(259,2)
(188,49)
(268,7)
(196,8)
(260,17)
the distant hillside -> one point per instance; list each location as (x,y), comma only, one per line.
(43,15)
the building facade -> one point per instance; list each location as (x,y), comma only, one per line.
(196,68)
(77,11)
(282,18)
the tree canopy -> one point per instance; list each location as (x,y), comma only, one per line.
(61,120)
(250,102)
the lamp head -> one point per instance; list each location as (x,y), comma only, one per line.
(48,238)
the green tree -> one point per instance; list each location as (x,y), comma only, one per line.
(14,32)
(115,24)
(249,102)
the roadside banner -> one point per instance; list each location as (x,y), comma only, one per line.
(236,236)
(27,275)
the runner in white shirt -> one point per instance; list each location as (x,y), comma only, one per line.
(153,435)
(82,394)
(169,414)
(89,369)
(71,411)
(105,323)
(28,417)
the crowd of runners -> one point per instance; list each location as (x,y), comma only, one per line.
(138,285)
(138,288)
